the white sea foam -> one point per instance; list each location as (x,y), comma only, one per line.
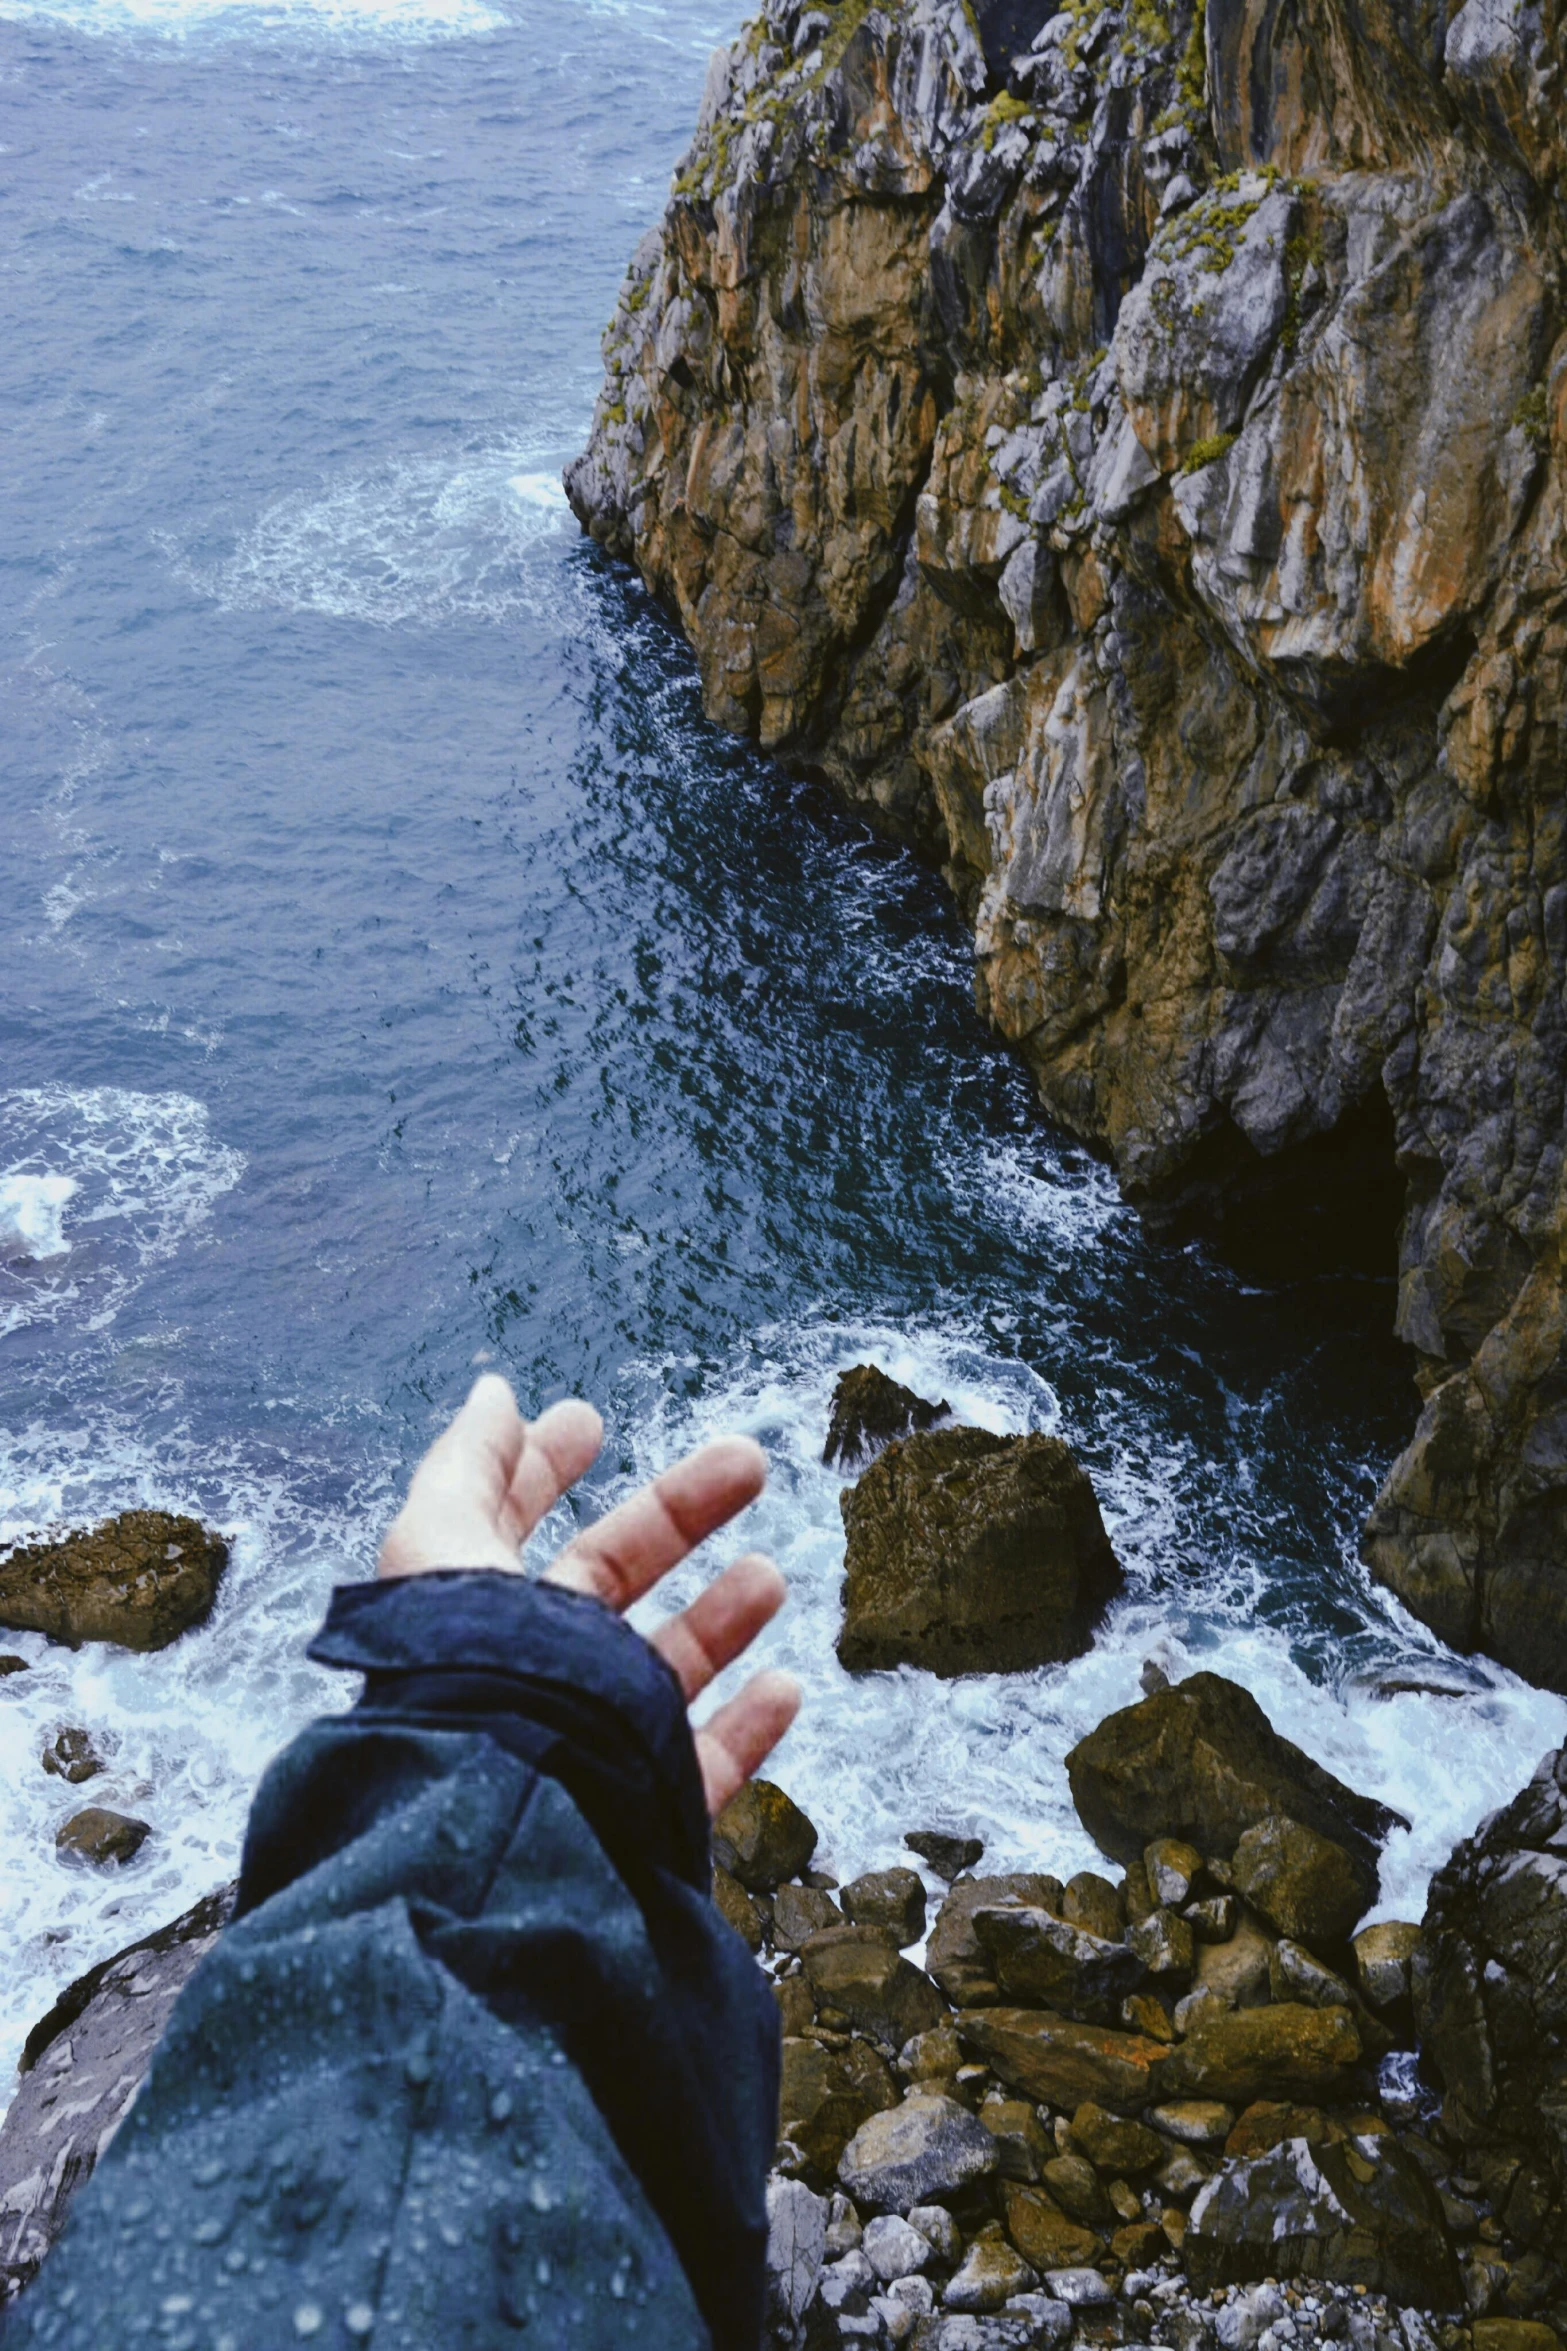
(365,22)
(417,543)
(31,1207)
(141,1172)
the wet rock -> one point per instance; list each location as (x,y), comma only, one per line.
(972,1553)
(735,1906)
(70,1755)
(139,1580)
(1173,1870)
(1202,1761)
(890,1898)
(1019,2135)
(954,1954)
(80,2067)
(796,2250)
(1358,2213)
(1059,2063)
(1252,2053)
(101,1836)
(869,1410)
(1114,2143)
(860,1971)
(826,2094)
(947,1855)
(990,2274)
(1382,1961)
(1092,1903)
(800,1912)
(926,2148)
(1490,1993)
(1040,1961)
(1309,1887)
(761,1837)
(1042,2232)
(10,1663)
(1294,1975)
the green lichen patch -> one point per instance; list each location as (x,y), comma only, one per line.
(1207,451)
(1532,417)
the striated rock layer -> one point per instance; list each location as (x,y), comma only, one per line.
(1126,453)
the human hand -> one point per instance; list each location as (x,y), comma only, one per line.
(490,1478)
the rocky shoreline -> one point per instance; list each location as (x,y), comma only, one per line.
(1123,449)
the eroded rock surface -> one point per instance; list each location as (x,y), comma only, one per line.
(1126,452)
(139,1580)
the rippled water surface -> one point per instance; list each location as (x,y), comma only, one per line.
(398,975)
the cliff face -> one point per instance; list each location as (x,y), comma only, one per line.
(1126,453)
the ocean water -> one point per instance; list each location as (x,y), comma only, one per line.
(398,976)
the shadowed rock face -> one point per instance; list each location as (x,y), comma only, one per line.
(1131,468)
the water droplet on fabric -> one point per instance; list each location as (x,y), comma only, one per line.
(307,2319)
(359,2318)
(500,2106)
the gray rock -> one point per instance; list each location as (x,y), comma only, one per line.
(1165,1945)
(1050,2320)
(1080,2289)
(796,2249)
(844,2233)
(1293,1974)
(1240,2323)
(926,2148)
(800,1912)
(1039,1959)
(80,2068)
(1356,2213)
(893,2248)
(937,2226)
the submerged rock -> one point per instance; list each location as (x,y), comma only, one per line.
(70,1755)
(868,1411)
(972,1553)
(80,2068)
(139,1580)
(101,1836)
(948,1855)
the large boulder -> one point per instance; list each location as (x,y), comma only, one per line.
(1285,2051)
(973,1553)
(954,1954)
(1058,2063)
(825,2094)
(80,2068)
(1358,2213)
(920,2152)
(1307,1886)
(1490,1990)
(860,1971)
(762,1837)
(1202,1762)
(1040,1961)
(139,1580)
(869,1411)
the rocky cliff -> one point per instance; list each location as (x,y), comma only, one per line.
(1125,451)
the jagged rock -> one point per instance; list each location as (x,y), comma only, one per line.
(1237,1970)
(991,2273)
(735,1906)
(761,1837)
(101,1836)
(1309,1887)
(1252,2053)
(937,2226)
(1147,498)
(954,1954)
(10,1663)
(860,1971)
(1146,2013)
(80,2067)
(1040,1961)
(947,1855)
(1490,1993)
(1041,2231)
(914,2153)
(800,1912)
(1058,2063)
(1092,1903)
(139,1580)
(1382,1961)
(932,2056)
(1194,2122)
(1165,1945)
(894,2248)
(70,1755)
(1214,1919)
(1114,2143)
(1173,1868)
(796,2249)
(1359,2213)
(973,1553)
(869,1410)
(826,2094)
(890,1898)
(1293,1974)
(1019,2135)
(1203,1760)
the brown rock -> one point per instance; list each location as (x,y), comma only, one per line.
(800,1912)
(1237,1970)
(1514,2334)
(932,2056)
(10,1663)
(1019,2135)
(868,1411)
(1139,2244)
(1041,1962)
(1073,2183)
(796,2006)
(736,1909)
(762,1838)
(1092,1903)
(139,1580)
(990,2273)
(954,1955)
(1270,2121)
(1165,1945)
(826,2094)
(1306,2053)
(973,1553)
(70,1755)
(1173,1869)
(100,1836)
(1146,2013)
(1202,1761)
(1058,2063)
(1214,1919)
(1307,1886)
(859,1971)
(1382,1960)
(948,1856)
(1194,2122)
(1042,2232)
(1114,2144)
(891,1898)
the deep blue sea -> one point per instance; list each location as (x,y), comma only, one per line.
(398,975)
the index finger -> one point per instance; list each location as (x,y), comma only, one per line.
(626,1552)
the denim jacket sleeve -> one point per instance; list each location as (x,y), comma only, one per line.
(476,2060)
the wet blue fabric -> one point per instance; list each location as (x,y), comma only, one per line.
(454,2071)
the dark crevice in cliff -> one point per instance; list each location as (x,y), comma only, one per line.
(1329,1205)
